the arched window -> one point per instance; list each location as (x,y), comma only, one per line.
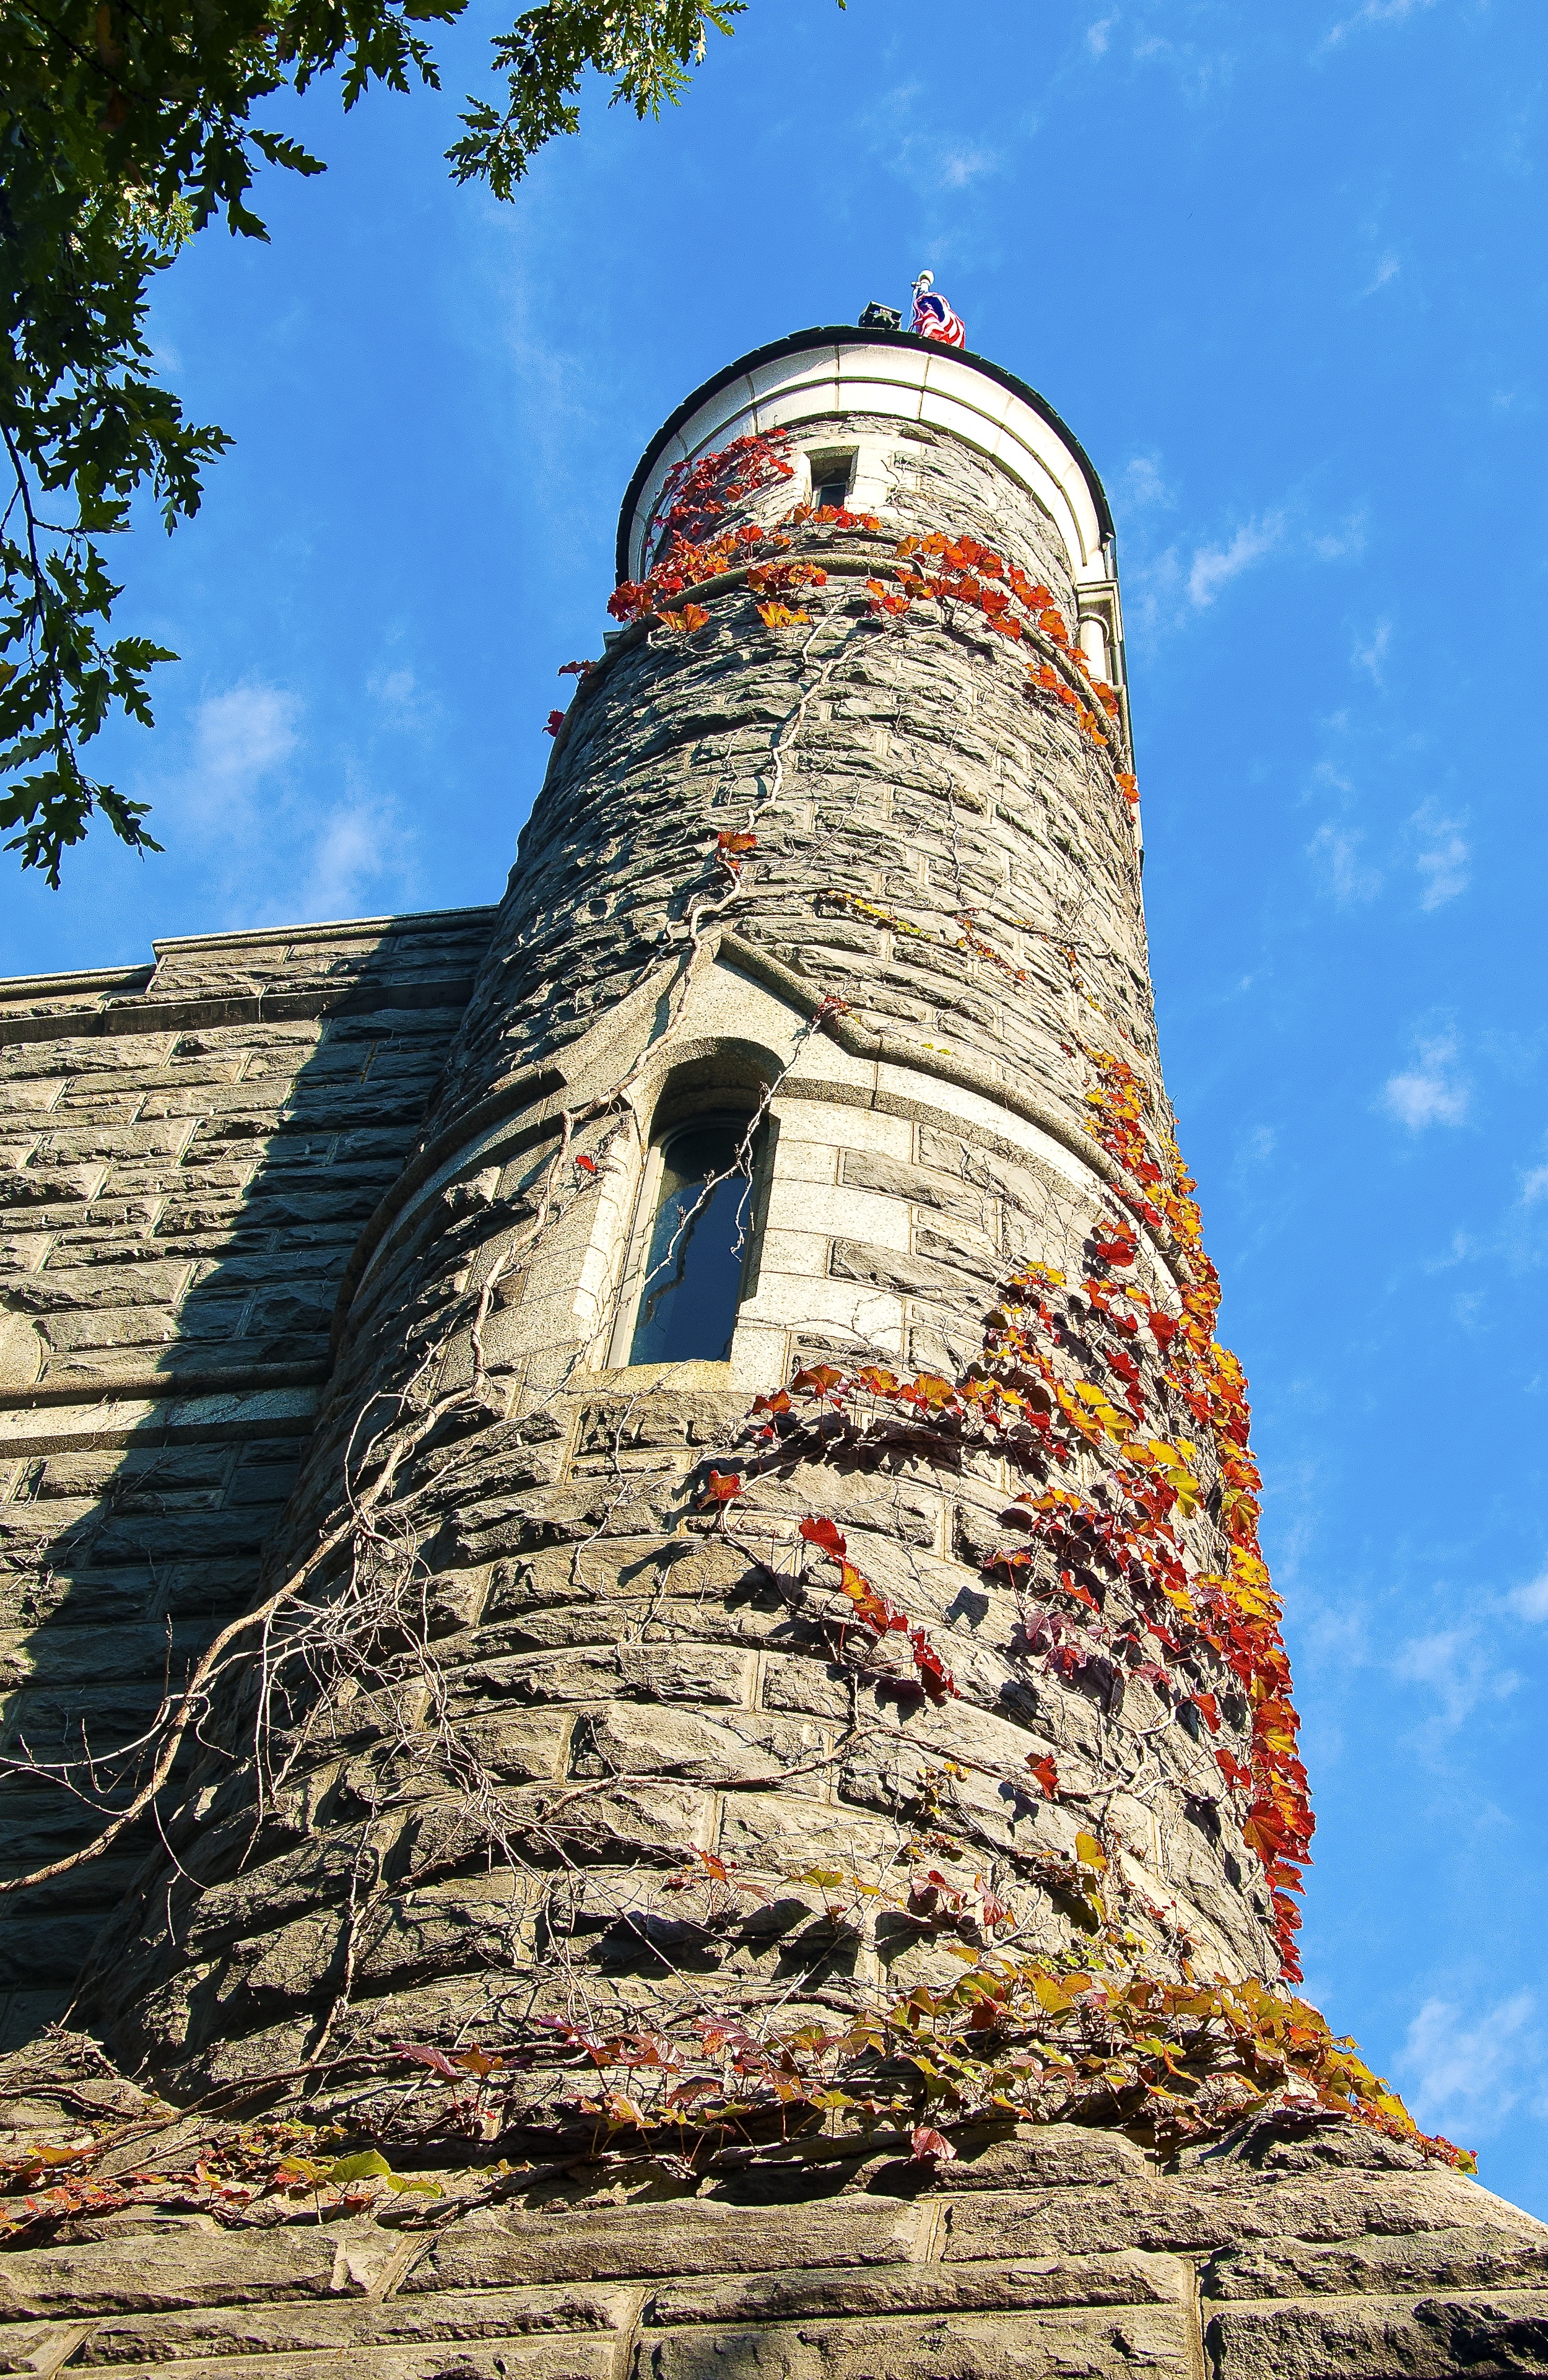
(694,1260)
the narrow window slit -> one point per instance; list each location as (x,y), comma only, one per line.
(831,474)
(701,1234)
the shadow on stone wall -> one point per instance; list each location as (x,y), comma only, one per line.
(132,1523)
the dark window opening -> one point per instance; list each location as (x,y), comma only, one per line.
(699,1240)
(830,480)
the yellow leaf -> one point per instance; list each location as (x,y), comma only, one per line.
(1089,1852)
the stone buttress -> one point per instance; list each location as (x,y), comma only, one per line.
(641,1722)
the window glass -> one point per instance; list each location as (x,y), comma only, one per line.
(830,480)
(698,1241)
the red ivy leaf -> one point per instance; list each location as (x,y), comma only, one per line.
(435,2060)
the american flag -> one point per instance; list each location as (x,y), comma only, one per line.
(933,318)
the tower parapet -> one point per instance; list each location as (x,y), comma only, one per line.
(767,1692)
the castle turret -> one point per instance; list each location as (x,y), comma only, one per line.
(765,1760)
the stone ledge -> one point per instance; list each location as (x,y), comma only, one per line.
(167,1417)
(219,1380)
(204,1010)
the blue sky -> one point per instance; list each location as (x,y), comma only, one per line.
(1282,269)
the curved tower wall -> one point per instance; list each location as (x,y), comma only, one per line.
(681,1873)
(537,1673)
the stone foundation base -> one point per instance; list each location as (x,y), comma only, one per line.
(1297,2249)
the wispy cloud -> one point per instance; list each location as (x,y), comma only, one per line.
(1099,35)
(903,130)
(1431,1092)
(275,843)
(1338,851)
(1372,653)
(1388,269)
(1345,544)
(242,740)
(1460,1668)
(1171,585)
(1213,566)
(1535,1185)
(1197,71)
(1531,1602)
(1442,857)
(1143,486)
(401,702)
(1375,12)
(1465,2077)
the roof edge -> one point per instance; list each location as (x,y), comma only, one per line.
(849,333)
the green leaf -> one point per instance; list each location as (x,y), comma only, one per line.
(124,131)
(367,2164)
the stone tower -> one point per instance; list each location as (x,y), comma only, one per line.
(762,1766)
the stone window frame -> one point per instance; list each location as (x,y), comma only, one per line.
(823,468)
(674,1114)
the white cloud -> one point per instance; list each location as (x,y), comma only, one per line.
(957,167)
(1372,655)
(1100,34)
(393,688)
(1529,1602)
(1443,859)
(253,799)
(401,702)
(1460,1668)
(242,739)
(1198,71)
(1431,1092)
(1350,876)
(1375,12)
(1215,565)
(1535,1185)
(1461,2077)
(1388,269)
(905,130)
(1170,584)
(1143,484)
(1345,545)
(358,845)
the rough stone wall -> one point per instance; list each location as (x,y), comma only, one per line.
(187,1153)
(492,1828)
(920,776)
(540,1747)
(1309,2252)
